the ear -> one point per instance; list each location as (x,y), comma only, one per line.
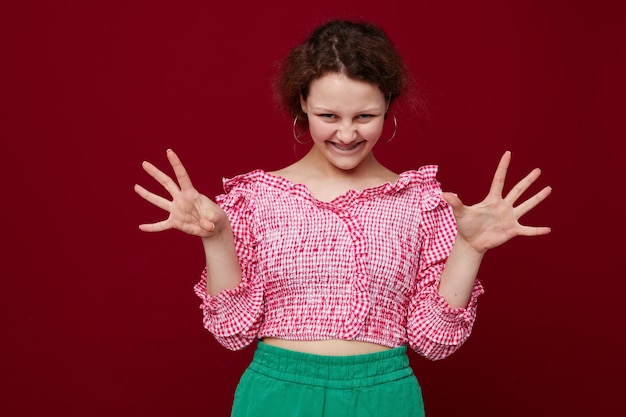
(303,104)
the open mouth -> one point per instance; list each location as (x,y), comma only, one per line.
(346,148)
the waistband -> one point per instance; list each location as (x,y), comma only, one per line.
(331,371)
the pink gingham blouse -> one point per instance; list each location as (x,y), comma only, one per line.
(365,266)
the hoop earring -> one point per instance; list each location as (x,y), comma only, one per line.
(395,126)
(297,136)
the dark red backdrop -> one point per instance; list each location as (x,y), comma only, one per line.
(99,319)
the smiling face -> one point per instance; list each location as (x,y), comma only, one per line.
(345,120)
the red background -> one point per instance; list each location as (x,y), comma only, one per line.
(99,319)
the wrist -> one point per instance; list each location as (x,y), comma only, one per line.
(221,234)
(466,249)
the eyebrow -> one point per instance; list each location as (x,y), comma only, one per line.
(327,110)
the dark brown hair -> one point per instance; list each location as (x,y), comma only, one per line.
(362,51)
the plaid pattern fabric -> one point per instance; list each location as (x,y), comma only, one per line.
(365,266)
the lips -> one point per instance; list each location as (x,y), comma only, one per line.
(346,148)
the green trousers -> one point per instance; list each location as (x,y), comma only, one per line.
(284,383)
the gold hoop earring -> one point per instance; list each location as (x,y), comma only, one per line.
(297,136)
(395,126)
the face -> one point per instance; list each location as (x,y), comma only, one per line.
(345,120)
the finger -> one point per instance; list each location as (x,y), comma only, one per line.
(452,199)
(455,202)
(534,230)
(179,170)
(157,200)
(155,227)
(207,225)
(522,186)
(161,177)
(532,202)
(497,185)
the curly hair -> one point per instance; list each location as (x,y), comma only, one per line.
(360,50)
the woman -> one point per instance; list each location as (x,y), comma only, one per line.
(336,264)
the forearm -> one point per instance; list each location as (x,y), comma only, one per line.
(459,274)
(222,264)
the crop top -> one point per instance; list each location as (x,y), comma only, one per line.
(365,266)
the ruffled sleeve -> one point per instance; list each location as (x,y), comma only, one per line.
(435,330)
(234,316)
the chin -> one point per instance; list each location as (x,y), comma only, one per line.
(347,166)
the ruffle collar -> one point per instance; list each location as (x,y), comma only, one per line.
(424,178)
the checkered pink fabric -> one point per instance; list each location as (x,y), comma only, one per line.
(365,266)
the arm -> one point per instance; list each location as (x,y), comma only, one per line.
(234,315)
(443,310)
(435,329)
(222,265)
(195,214)
(232,300)
(484,226)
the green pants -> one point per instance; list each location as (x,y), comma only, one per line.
(284,383)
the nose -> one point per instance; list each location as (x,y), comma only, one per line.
(346,133)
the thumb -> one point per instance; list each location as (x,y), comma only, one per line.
(207,225)
(454,201)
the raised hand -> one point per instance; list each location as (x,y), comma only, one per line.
(189,211)
(495,220)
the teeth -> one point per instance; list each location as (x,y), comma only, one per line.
(345,148)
